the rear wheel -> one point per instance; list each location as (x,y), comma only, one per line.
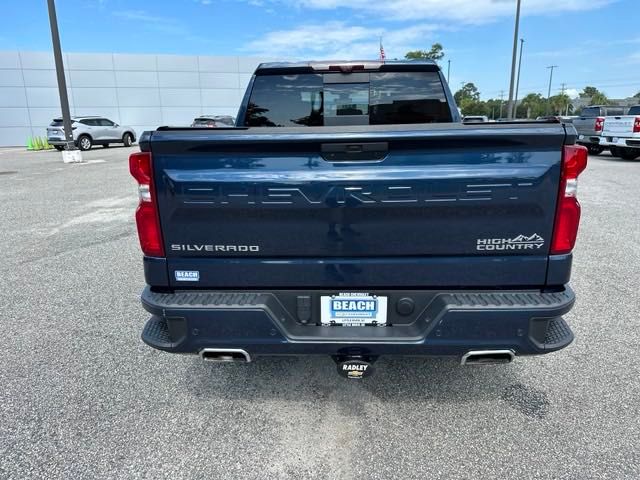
(127,139)
(595,149)
(84,142)
(629,153)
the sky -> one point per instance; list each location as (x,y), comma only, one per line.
(593,42)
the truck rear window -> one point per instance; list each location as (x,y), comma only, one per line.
(318,99)
(591,112)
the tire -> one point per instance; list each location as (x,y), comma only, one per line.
(105,145)
(127,139)
(595,149)
(629,153)
(84,142)
(59,147)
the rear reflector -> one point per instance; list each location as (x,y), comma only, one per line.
(565,230)
(147,220)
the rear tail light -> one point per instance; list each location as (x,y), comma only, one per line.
(565,230)
(636,125)
(147,219)
(599,124)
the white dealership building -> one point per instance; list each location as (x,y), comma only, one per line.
(144,91)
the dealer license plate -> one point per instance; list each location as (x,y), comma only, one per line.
(353,309)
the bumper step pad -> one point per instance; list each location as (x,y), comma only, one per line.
(156,333)
(558,335)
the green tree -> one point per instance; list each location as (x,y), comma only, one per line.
(597,97)
(495,108)
(533,105)
(588,92)
(436,53)
(473,107)
(468,92)
(468,99)
(561,104)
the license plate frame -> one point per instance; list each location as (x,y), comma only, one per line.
(353,309)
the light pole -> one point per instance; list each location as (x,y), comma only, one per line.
(513,61)
(448,70)
(62,84)
(515,102)
(550,68)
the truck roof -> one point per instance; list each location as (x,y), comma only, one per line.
(347,66)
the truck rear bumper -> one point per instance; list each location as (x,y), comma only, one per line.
(444,323)
(624,142)
(588,140)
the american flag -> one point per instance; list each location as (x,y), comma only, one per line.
(382,54)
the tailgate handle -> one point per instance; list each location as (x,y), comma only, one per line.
(350,152)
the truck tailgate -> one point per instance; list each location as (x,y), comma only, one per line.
(276,207)
(619,125)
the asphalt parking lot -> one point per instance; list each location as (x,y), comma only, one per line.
(82,397)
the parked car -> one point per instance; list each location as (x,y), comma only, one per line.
(621,134)
(589,125)
(356,216)
(214,121)
(475,119)
(89,131)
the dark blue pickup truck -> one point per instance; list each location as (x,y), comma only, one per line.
(350,213)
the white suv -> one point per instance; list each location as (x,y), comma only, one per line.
(89,131)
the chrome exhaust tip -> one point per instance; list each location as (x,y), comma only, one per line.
(487,357)
(225,355)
